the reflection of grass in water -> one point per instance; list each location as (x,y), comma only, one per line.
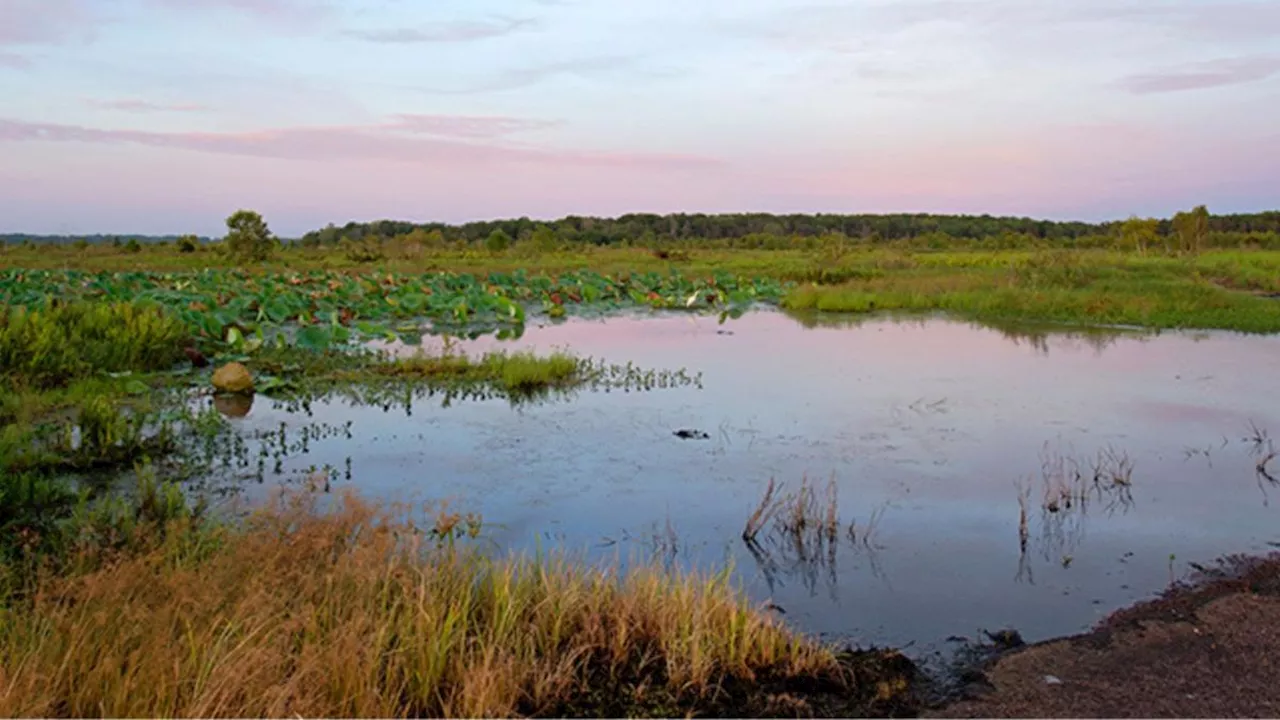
(1070,486)
(1036,334)
(1264,451)
(1069,482)
(375,379)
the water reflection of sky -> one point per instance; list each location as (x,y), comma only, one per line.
(928,422)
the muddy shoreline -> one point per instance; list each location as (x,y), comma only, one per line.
(1205,647)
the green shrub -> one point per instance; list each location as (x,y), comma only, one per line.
(497,242)
(363,251)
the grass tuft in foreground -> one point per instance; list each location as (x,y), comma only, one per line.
(350,613)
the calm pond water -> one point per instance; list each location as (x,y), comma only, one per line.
(928,428)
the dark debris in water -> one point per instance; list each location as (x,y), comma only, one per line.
(686,434)
(1005,639)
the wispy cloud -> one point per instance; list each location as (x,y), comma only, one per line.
(1201,76)
(143,106)
(397,141)
(284,13)
(516,78)
(14,61)
(445,32)
(37,22)
(468,126)
(1227,21)
(855,25)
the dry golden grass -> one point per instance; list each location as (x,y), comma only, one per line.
(347,613)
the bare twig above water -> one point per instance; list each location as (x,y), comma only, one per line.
(1024,498)
(1258,436)
(922,406)
(1069,486)
(804,527)
(1066,486)
(1265,458)
(763,513)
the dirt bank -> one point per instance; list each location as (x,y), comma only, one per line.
(1208,647)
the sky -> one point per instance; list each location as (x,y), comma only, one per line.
(165,116)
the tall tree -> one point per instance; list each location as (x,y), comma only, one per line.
(248,236)
(1139,233)
(1192,228)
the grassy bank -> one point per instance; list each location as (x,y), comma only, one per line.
(1221,290)
(352,613)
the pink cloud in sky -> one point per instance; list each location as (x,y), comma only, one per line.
(278,12)
(143,106)
(1049,170)
(1216,73)
(403,169)
(467,126)
(397,141)
(449,32)
(32,22)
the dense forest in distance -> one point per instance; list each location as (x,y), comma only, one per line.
(104,239)
(645,228)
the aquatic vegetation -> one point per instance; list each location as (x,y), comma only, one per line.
(468,291)
(51,527)
(48,342)
(1070,482)
(244,311)
(376,378)
(804,533)
(1069,486)
(1263,449)
(352,613)
(519,372)
(100,435)
(797,514)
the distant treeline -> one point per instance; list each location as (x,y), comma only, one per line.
(738,229)
(650,228)
(19,238)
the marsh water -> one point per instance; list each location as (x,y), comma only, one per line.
(937,435)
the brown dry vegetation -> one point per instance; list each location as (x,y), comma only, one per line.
(349,613)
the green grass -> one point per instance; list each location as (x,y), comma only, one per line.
(1216,290)
(516,372)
